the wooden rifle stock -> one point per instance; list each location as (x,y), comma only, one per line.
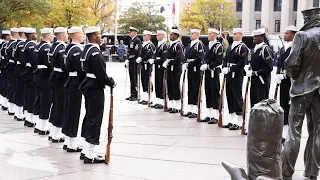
(199,98)
(182,92)
(276,91)
(138,75)
(243,130)
(149,87)
(165,103)
(221,102)
(110,128)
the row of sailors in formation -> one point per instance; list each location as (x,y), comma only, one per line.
(197,59)
(42,84)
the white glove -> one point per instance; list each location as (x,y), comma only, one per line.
(165,64)
(151,61)
(279,78)
(249,73)
(126,63)
(184,66)
(138,60)
(225,70)
(246,67)
(204,67)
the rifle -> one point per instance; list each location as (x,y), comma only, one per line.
(149,86)
(165,105)
(182,91)
(110,127)
(138,75)
(276,91)
(243,130)
(199,98)
(221,102)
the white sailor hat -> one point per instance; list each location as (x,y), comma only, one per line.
(238,30)
(133,29)
(195,31)
(60,30)
(161,32)
(213,30)
(30,30)
(258,32)
(46,30)
(75,29)
(6,32)
(292,28)
(92,29)
(176,31)
(14,29)
(146,32)
(22,29)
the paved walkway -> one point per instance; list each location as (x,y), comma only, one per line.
(147,144)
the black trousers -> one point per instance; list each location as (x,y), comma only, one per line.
(10,76)
(58,109)
(258,91)
(234,93)
(4,84)
(285,98)
(29,93)
(193,85)
(19,91)
(73,107)
(173,83)
(133,78)
(145,70)
(212,89)
(94,104)
(45,101)
(159,72)
(36,105)
(307,104)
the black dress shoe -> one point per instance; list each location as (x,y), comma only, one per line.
(193,115)
(228,125)
(14,117)
(61,140)
(174,111)
(96,160)
(10,114)
(159,107)
(36,130)
(43,132)
(74,150)
(49,138)
(4,108)
(30,124)
(168,110)
(18,119)
(213,121)
(207,119)
(65,147)
(235,127)
(128,98)
(25,123)
(144,102)
(187,115)
(133,99)
(154,106)
(82,156)
(311,177)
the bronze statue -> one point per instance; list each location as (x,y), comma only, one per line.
(303,66)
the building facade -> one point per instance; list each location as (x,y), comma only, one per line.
(274,15)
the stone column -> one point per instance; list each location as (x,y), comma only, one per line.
(267,15)
(302,5)
(286,14)
(248,21)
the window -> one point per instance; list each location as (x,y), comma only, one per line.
(277,26)
(277,5)
(315,3)
(239,5)
(295,5)
(257,5)
(258,24)
(240,24)
(295,23)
